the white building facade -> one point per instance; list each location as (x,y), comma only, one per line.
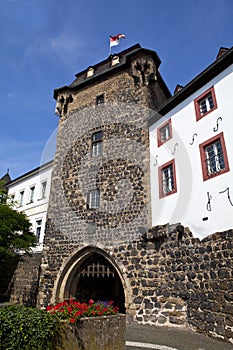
(192,153)
(30,193)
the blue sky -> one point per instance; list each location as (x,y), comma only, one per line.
(44,43)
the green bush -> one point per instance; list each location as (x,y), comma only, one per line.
(26,328)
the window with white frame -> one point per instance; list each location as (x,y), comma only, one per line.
(164,132)
(38,230)
(21,198)
(97,143)
(214,157)
(94,199)
(205,103)
(43,189)
(31,194)
(167,179)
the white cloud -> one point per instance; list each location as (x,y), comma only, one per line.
(66,46)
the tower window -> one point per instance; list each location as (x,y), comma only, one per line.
(94,199)
(97,143)
(99,99)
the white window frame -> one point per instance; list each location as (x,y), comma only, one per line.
(94,199)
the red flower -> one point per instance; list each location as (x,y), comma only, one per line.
(72,320)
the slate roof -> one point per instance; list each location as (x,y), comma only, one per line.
(104,68)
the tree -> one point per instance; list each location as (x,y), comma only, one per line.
(15,231)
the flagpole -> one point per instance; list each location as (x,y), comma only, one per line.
(110,48)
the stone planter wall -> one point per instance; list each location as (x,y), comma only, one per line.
(93,333)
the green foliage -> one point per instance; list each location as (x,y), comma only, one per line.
(26,328)
(14,231)
(3,192)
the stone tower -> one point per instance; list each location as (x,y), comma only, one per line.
(100,192)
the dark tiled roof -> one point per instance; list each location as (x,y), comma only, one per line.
(6,179)
(104,68)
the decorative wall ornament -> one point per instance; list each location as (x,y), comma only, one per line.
(227,190)
(156,160)
(208,205)
(175,147)
(194,135)
(215,129)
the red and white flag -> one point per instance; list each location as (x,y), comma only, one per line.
(115,40)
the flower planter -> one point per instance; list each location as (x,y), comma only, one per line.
(93,333)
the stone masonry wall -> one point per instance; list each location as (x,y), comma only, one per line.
(120,173)
(25,281)
(182,282)
(172,278)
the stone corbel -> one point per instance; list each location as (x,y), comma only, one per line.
(62,104)
(143,71)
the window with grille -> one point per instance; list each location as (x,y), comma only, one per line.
(205,103)
(214,157)
(167,179)
(164,132)
(97,143)
(94,199)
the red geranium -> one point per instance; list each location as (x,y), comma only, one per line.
(73,310)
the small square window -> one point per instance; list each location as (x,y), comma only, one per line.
(214,157)
(205,103)
(94,199)
(97,144)
(164,132)
(167,179)
(99,100)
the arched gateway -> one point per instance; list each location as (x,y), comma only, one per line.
(91,274)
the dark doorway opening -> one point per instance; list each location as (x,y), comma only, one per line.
(97,279)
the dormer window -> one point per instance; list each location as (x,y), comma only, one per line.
(90,72)
(115,60)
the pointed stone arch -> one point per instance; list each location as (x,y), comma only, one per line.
(94,265)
